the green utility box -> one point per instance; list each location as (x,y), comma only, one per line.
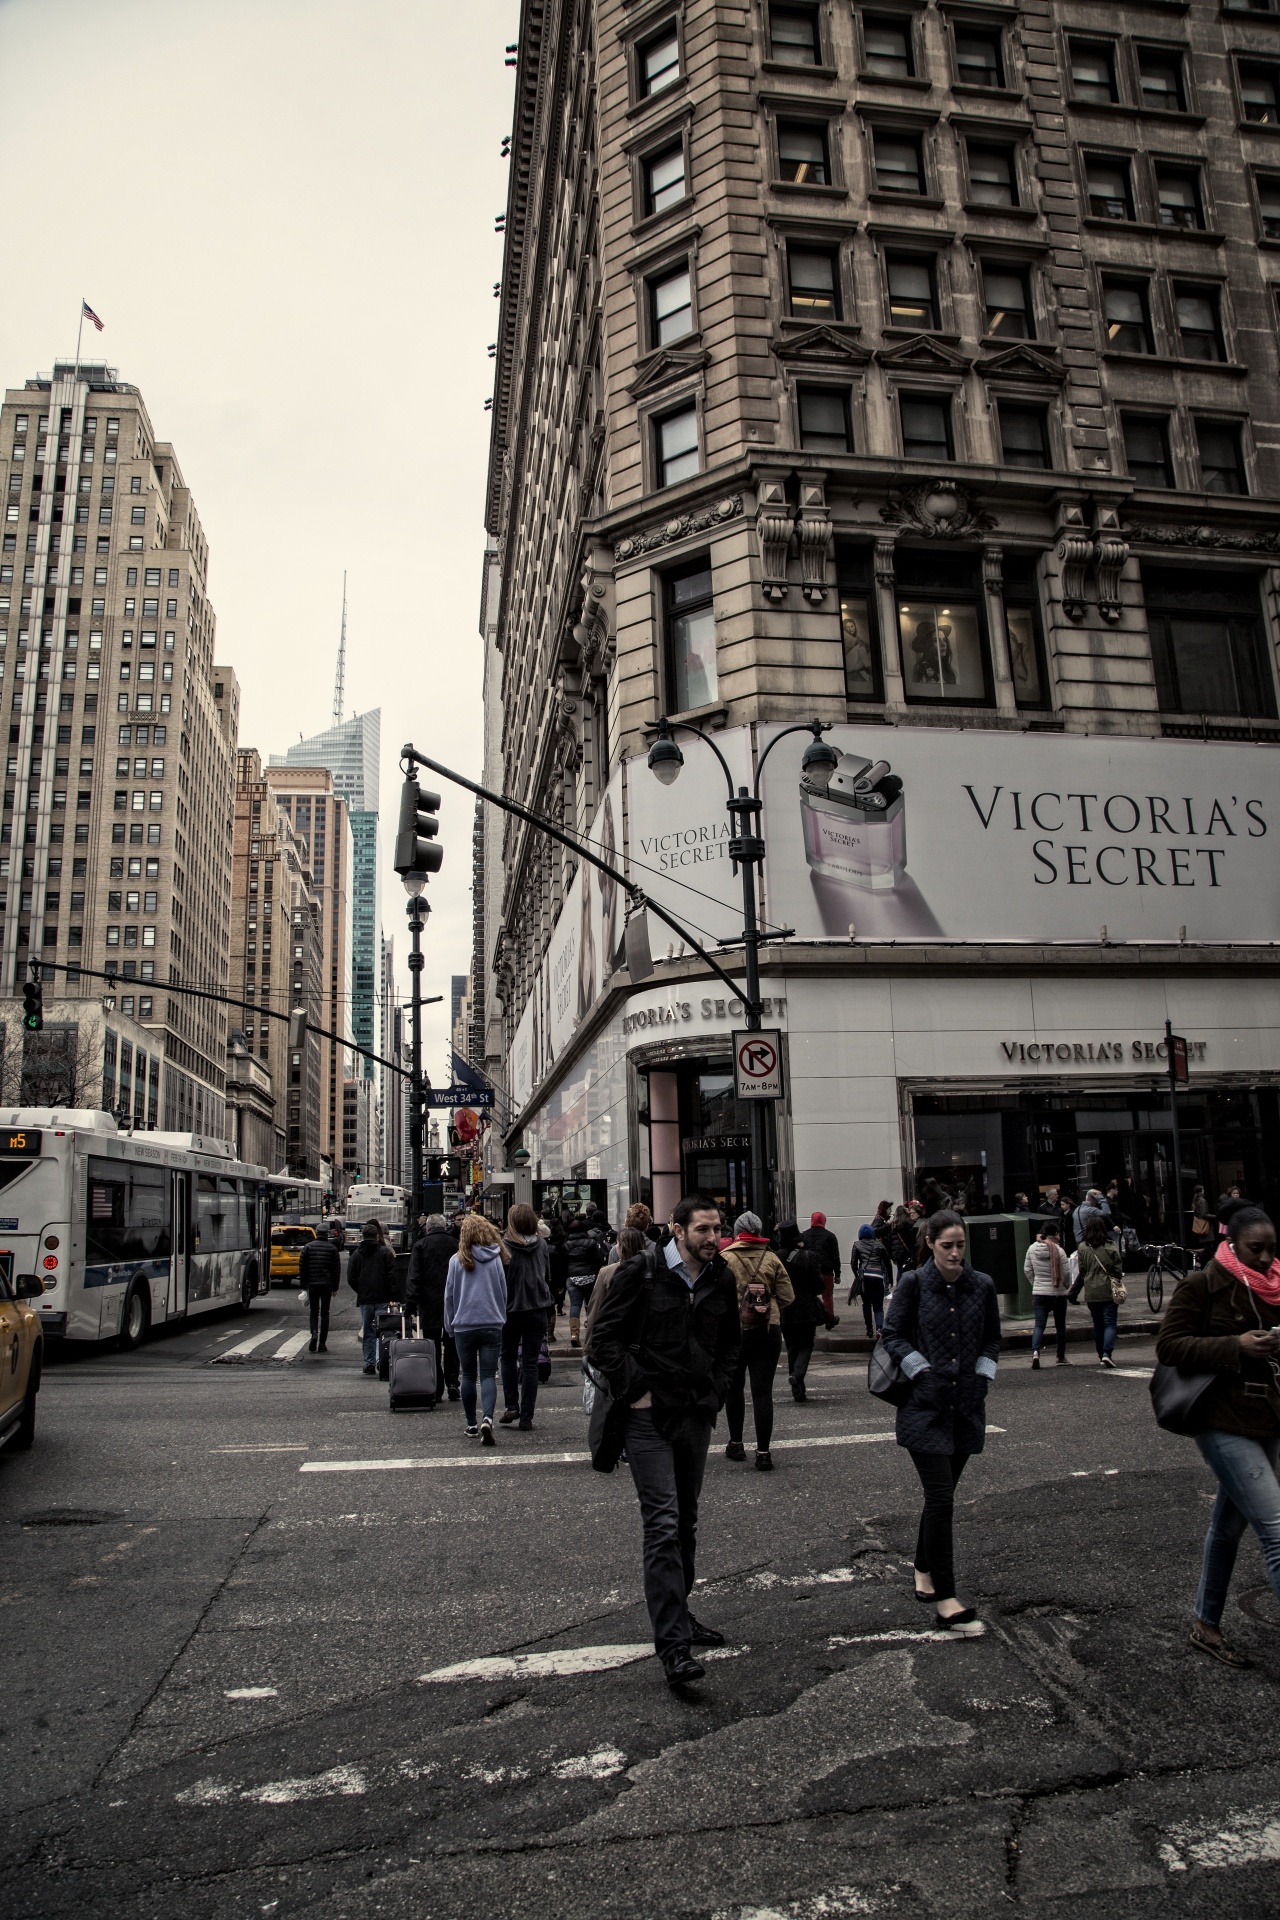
(998,1245)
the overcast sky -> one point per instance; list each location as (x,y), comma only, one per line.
(283,210)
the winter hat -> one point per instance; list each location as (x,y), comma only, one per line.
(749,1223)
(817,1219)
(369,1231)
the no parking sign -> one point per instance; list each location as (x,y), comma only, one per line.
(757,1066)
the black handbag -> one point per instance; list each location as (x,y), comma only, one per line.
(1175,1395)
(885,1378)
(607,1424)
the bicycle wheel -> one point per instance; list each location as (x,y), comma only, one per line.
(1155,1287)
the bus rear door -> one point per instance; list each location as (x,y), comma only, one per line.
(180,1263)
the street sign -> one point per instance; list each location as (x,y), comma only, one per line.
(1179,1071)
(757,1066)
(481,1098)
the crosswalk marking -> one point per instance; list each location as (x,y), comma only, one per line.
(292,1346)
(246,1347)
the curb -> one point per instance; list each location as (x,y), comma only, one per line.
(1018,1341)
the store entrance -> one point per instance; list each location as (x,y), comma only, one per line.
(699,1138)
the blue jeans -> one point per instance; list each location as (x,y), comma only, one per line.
(580,1286)
(479,1351)
(369,1311)
(1042,1306)
(1248,1494)
(1105,1314)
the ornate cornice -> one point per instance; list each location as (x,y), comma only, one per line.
(679,528)
(1222,539)
(940,509)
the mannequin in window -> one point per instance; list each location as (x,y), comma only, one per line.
(934,660)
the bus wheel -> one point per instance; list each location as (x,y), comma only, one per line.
(248,1288)
(135,1322)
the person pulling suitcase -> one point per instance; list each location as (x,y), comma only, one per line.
(320,1271)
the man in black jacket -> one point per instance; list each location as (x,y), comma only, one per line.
(666,1338)
(823,1244)
(586,1252)
(424,1289)
(371,1274)
(320,1272)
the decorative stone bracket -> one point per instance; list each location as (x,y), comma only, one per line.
(776,523)
(1108,550)
(1075,550)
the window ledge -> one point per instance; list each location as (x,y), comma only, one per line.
(717,711)
(1204,235)
(809,189)
(653,101)
(927,202)
(913,82)
(792,71)
(1230,367)
(652,221)
(1229,726)
(1122,109)
(1263,127)
(1005,213)
(970,90)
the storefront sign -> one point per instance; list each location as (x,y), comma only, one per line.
(980,835)
(1083,1053)
(757,1066)
(705,1009)
(716,1143)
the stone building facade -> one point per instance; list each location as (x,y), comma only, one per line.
(914,368)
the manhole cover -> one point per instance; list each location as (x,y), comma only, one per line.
(70,1517)
(1261,1605)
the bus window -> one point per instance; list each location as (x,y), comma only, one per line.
(127,1216)
(215,1216)
(247,1214)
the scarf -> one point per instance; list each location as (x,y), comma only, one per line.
(1265,1285)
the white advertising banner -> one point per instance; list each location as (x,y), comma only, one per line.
(980,835)
(678,839)
(610,917)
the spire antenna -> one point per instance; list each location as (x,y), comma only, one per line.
(340,676)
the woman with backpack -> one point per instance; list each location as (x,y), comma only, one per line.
(1100,1272)
(943,1329)
(801,1320)
(475,1312)
(1224,1321)
(764,1290)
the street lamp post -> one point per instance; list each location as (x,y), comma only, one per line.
(747,851)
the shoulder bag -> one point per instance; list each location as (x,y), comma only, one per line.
(885,1378)
(1176,1395)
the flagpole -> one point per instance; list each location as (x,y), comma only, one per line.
(79,332)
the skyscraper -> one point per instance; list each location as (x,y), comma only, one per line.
(115,838)
(350,752)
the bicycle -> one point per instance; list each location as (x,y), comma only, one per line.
(1165,1261)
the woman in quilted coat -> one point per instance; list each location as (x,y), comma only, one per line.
(943,1329)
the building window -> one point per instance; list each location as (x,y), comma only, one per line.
(887,48)
(677,446)
(1221,461)
(993,176)
(664,179)
(691,638)
(979,62)
(913,298)
(824,420)
(1024,436)
(926,427)
(1108,185)
(1260,93)
(1093,71)
(1199,323)
(670,306)
(802,153)
(660,61)
(940,628)
(1026,639)
(1268,188)
(1007,302)
(1207,646)
(1146,448)
(1178,197)
(857,623)
(1124,306)
(793,36)
(899,163)
(813,285)
(1160,78)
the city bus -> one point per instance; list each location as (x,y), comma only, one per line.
(389,1206)
(127,1231)
(295,1202)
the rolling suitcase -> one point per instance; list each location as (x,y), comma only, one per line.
(388,1326)
(411,1375)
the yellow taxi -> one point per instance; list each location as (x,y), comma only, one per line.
(21,1357)
(286,1251)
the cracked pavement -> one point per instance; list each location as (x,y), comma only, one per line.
(235,1688)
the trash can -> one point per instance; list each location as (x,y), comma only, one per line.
(998,1245)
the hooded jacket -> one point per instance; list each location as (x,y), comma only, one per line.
(478,1298)
(1201,1334)
(528,1287)
(585,1251)
(428,1267)
(822,1242)
(371,1274)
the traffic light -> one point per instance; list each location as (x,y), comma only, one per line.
(33,1006)
(297,1029)
(416,851)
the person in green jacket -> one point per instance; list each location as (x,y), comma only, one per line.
(1100,1273)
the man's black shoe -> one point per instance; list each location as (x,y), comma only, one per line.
(701,1636)
(681,1668)
(453,1393)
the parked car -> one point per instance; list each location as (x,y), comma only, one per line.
(286,1251)
(21,1359)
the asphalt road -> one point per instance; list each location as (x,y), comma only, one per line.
(238,1681)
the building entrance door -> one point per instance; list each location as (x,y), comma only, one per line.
(721,1169)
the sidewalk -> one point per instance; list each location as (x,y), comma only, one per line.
(1133,1324)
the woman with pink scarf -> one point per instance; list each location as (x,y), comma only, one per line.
(1223,1320)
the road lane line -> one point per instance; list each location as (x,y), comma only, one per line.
(292,1346)
(293,1446)
(545,1666)
(489,1459)
(247,1346)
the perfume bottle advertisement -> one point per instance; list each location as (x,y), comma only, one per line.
(978,834)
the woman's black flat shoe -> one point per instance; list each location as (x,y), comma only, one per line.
(965,1625)
(925,1599)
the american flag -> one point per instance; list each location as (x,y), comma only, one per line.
(89,314)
